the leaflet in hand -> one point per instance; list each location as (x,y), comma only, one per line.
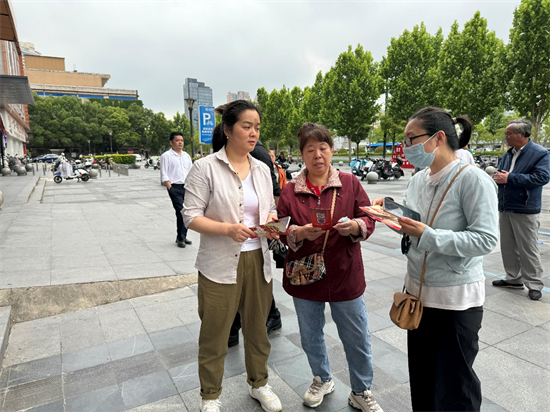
(321,218)
(275,226)
(378,213)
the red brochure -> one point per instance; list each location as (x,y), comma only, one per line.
(321,218)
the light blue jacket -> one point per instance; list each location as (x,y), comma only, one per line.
(465,228)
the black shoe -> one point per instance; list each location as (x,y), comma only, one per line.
(535,294)
(273,324)
(233,340)
(188,242)
(181,243)
(503,284)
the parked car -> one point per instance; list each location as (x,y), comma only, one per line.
(49,158)
(138,157)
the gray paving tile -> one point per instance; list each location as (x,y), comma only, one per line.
(180,293)
(28,343)
(194,328)
(503,375)
(33,394)
(171,404)
(120,324)
(21,279)
(532,346)
(85,358)
(147,389)
(98,273)
(106,399)
(281,349)
(170,337)
(518,307)
(158,316)
(294,371)
(80,330)
(389,359)
(234,361)
(186,377)
(496,327)
(34,370)
(394,336)
(51,407)
(130,347)
(489,406)
(136,366)
(179,354)
(85,380)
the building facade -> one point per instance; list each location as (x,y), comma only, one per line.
(202,95)
(240,95)
(15,92)
(48,77)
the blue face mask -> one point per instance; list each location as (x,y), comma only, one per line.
(417,156)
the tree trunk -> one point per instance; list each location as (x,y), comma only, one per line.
(349,151)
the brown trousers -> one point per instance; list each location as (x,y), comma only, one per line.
(218,304)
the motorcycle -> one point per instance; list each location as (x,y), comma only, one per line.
(63,170)
(387,169)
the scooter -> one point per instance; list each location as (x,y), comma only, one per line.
(63,170)
(387,169)
(155,164)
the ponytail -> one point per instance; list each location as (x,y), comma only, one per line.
(434,119)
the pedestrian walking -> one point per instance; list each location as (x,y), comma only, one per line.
(227,193)
(320,186)
(461,200)
(174,167)
(523,170)
(281,174)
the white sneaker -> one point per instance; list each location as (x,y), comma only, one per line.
(210,405)
(269,401)
(317,391)
(364,402)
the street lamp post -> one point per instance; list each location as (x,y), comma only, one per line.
(190,102)
(111,140)
(89,150)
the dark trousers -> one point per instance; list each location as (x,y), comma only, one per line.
(273,314)
(441,356)
(177,194)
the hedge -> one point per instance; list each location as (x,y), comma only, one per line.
(342,151)
(491,153)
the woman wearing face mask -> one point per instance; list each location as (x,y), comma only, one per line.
(443,349)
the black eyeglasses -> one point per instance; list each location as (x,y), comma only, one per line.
(408,140)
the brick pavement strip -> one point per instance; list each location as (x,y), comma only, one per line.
(141,354)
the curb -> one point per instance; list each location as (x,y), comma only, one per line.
(5,326)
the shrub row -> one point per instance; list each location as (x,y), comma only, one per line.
(126,159)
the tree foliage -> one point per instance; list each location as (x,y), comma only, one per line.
(351,89)
(469,70)
(528,61)
(410,72)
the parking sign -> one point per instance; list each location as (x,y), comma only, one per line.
(207,122)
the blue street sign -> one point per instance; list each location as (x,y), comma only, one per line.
(207,122)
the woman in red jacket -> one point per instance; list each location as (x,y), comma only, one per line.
(344,284)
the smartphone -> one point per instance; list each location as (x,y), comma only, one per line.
(399,210)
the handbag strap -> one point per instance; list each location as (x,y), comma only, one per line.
(331,215)
(431,223)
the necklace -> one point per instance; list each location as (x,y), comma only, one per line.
(242,167)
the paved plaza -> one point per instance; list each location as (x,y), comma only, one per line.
(140,354)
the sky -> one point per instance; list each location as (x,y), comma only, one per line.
(152,46)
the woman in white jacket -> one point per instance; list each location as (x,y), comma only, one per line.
(443,349)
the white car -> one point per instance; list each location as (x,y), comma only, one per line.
(138,157)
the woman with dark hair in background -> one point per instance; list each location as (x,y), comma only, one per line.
(443,349)
(227,193)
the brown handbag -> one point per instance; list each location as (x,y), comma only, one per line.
(406,310)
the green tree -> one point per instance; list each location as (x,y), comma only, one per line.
(349,96)
(275,120)
(295,118)
(158,133)
(311,106)
(410,72)
(140,118)
(262,96)
(117,122)
(528,56)
(470,70)
(181,124)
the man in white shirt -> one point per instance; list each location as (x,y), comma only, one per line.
(174,167)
